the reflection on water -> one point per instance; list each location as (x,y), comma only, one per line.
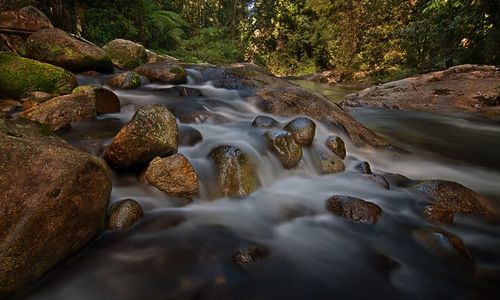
(185,252)
(335,93)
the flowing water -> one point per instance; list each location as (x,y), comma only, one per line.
(185,251)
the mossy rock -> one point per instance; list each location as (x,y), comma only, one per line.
(163,72)
(57,47)
(20,76)
(126,54)
(125,81)
(105,100)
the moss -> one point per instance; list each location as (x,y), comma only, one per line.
(19,76)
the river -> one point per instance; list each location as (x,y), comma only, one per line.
(180,251)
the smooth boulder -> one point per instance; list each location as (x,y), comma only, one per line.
(235,173)
(58,112)
(336,145)
(105,100)
(126,54)
(302,130)
(174,175)
(57,47)
(125,81)
(443,244)
(354,209)
(151,132)
(329,162)
(124,214)
(20,76)
(265,122)
(188,136)
(285,147)
(163,72)
(53,201)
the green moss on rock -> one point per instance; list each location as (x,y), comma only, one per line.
(19,76)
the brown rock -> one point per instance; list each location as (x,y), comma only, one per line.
(174,175)
(53,201)
(126,81)
(163,72)
(330,163)
(33,99)
(188,136)
(235,173)
(248,254)
(378,179)
(443,244)
(354,209)
(302,130)
(61,110)
(285,147)
(9,105)
(57,47)
(151,132)
(438,215)
(155,57)
(454,196)
(363,168)
(265,122)
(126,54)
(336,145)
(124,214)
(105,100)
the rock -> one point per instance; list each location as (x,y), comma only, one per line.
(61,110)
(151,132)
(126,54)
(9,105)
(188,136)
(235,173)
(354,209)
(248,254)
(125,81)
(27,18)
(302,130)
(174,175)
(105,100)
(454,196)
(378,179)
(53,201)
(34,98)
(20,76)
(188,112)
(460,88)
(57,47)
(163,72)
(329,163)
(265,122)
(443,244)
(438,215)
(285,147)
(124,214)
(155,57)
(363,168)
(336,145)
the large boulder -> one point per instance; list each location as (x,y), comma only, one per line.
(105,100)
(126,54)
(125,81)
(28,19)
(20,76)
(174,175)
(163,72)
(235,173)
(151,132)
(59,111)
(155,57)
(460,88)
(354,209)
(282,98)
(57,47)
(454,196)
(53,201)
(285,147)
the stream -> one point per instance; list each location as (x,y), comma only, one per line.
(185,250)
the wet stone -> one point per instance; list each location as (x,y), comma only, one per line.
(363,168)
(336,145)
(125,81)
(248,254)
(378,179)
(285,147)
(438,215)
(124,214)
(443,244)
(354,209)
(265,122)
(302,130)
(188,136)
(330,163)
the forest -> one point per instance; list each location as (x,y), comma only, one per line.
(355,39)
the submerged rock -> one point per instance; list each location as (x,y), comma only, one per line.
(302,130)
(124,214)
(438,215)
(235,173)
(454,196)
(53,201)
(174,175)
(105,100)
(265,122)
(20,76)
(378,179)
(58,112)
(57,47)
(126,81)
(336,145)
(285,147)
(248,254)
(354,209)
(188,136)
(151,132)
(163,72)
(443,244)
(363,168)
(329,163)
(126,54)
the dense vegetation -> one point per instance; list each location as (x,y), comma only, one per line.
(355,38)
